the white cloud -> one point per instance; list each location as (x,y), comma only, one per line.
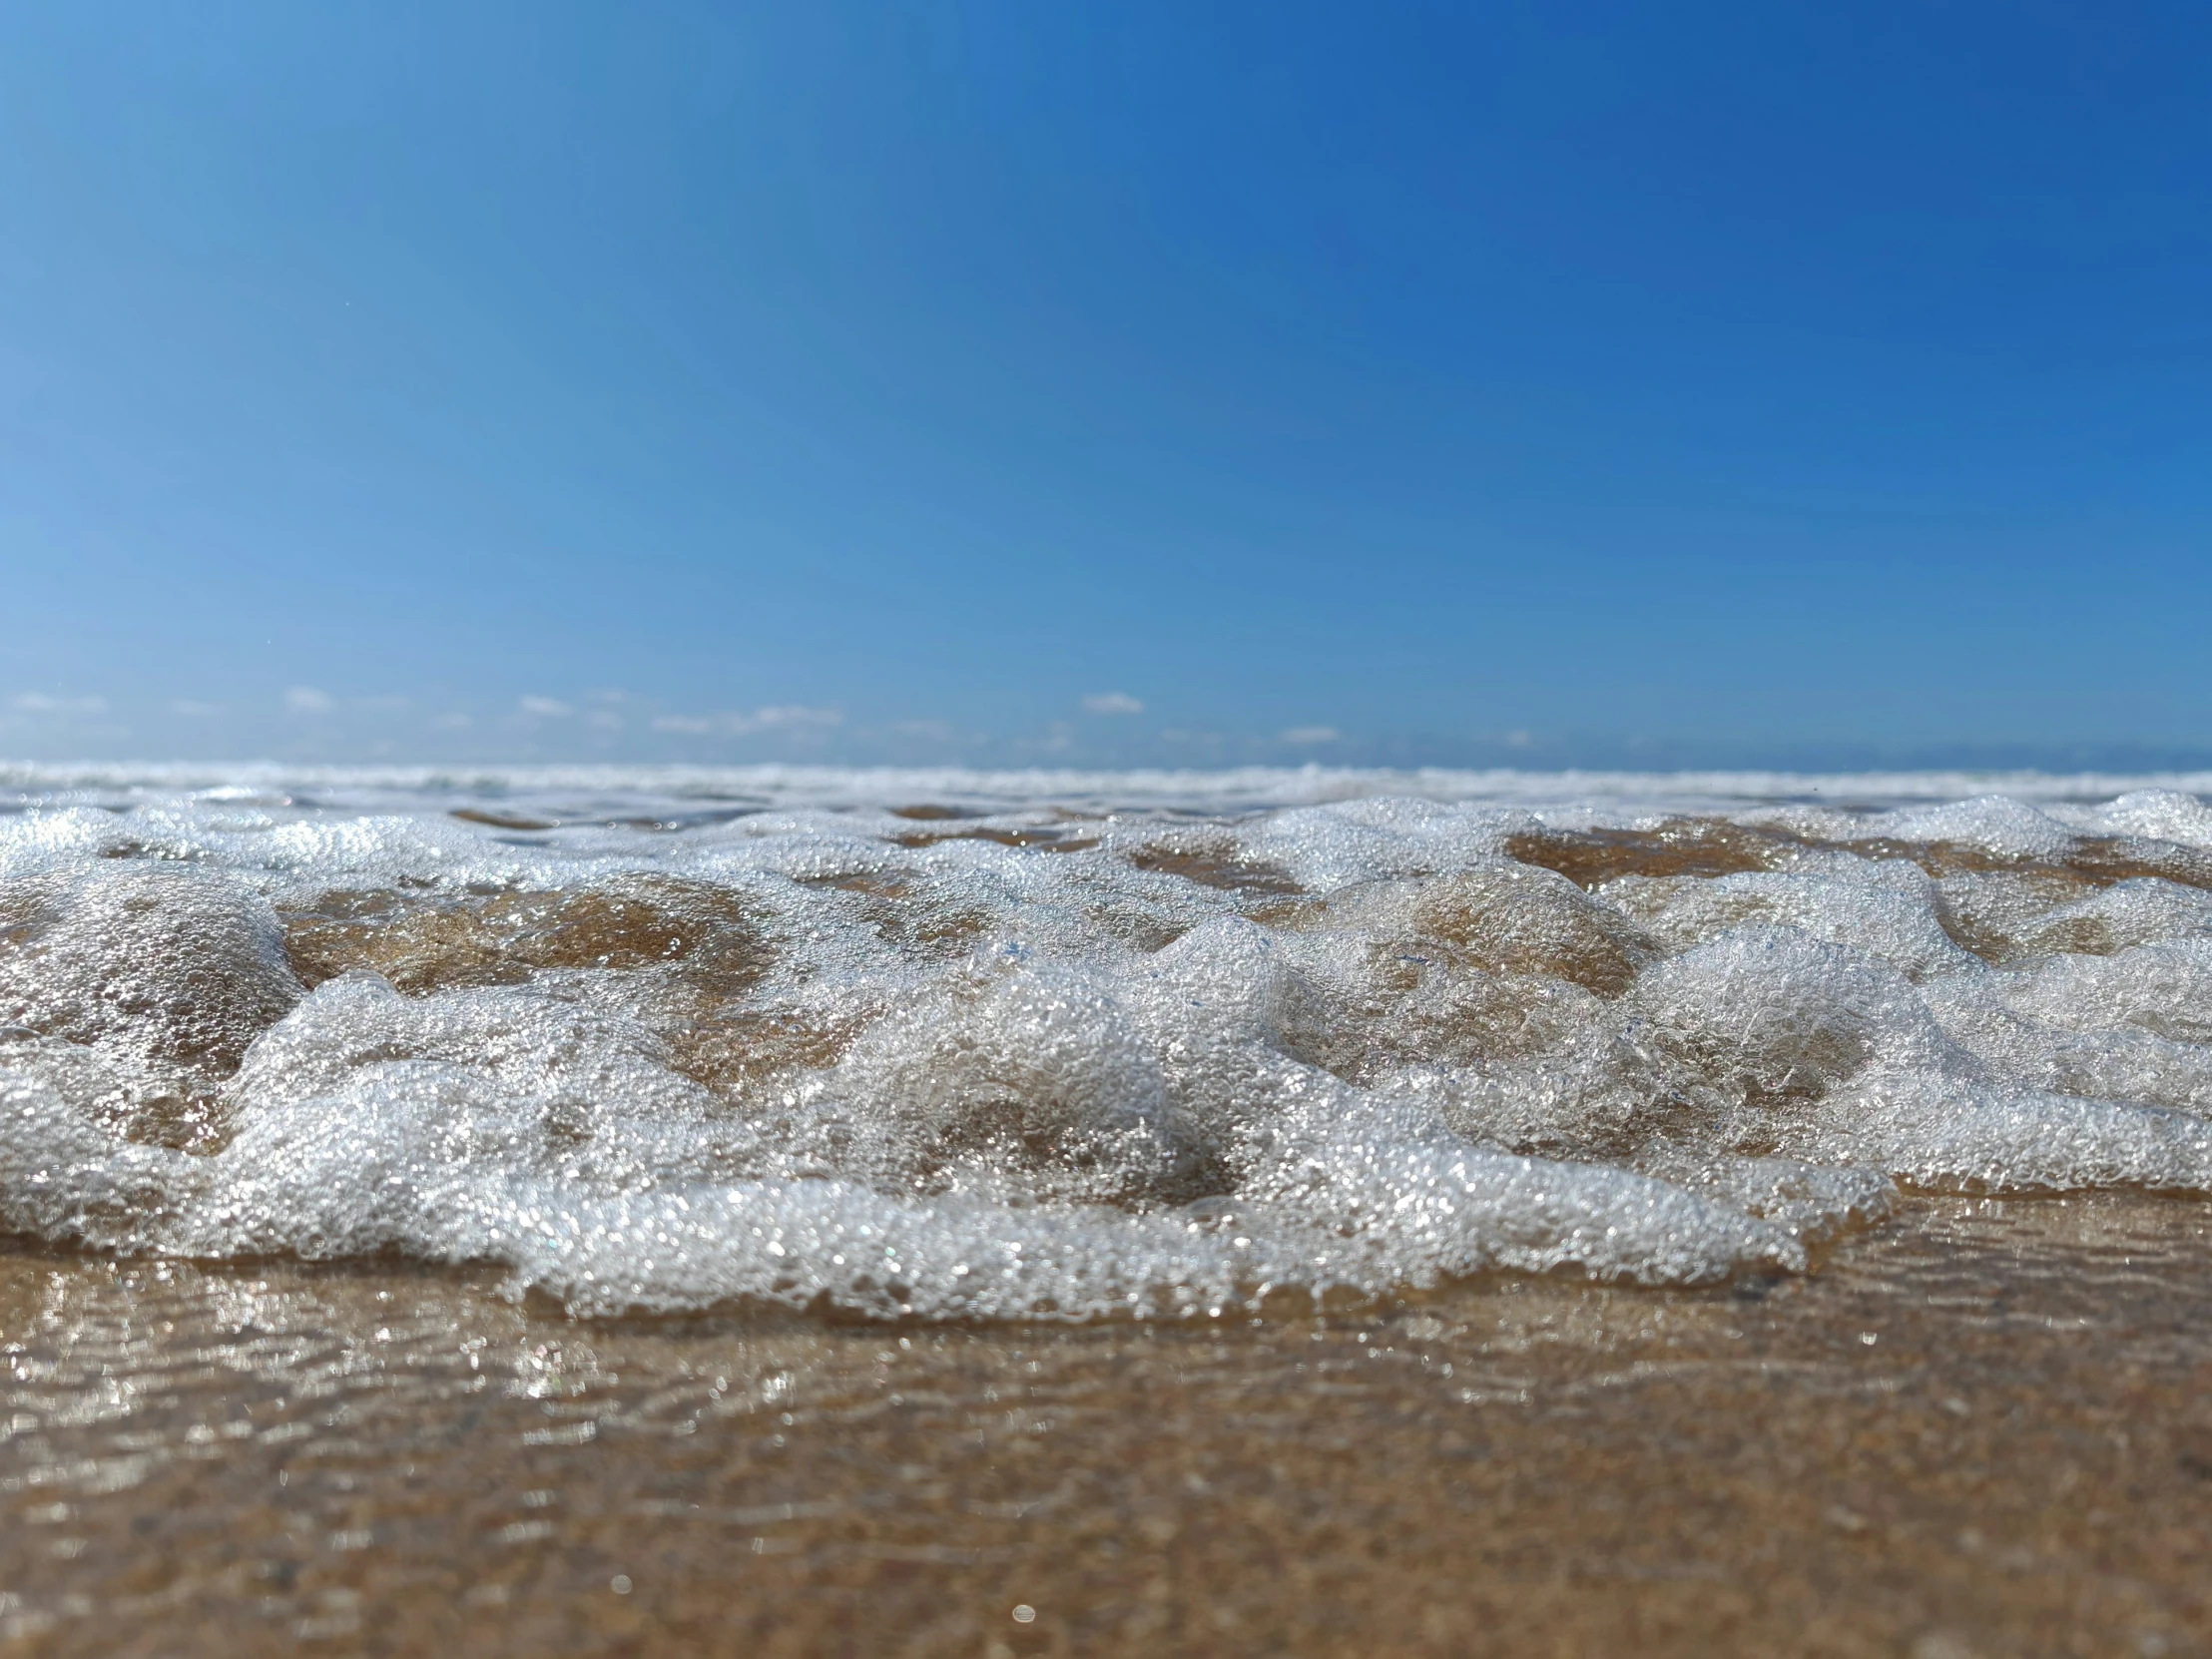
(451,723)
(1113,703)
(306,699)
(929,731)
(1312,734)
(604,720)
(779,716)
(548,708)
(791,714)
(37,703)
(186,707)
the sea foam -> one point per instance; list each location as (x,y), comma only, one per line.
(977,1046)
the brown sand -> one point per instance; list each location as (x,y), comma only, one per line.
(1986,1429)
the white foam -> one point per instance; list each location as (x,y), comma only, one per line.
(1893,920)
(161,961)
(1993,822)
(2159,814)
(1068,1055)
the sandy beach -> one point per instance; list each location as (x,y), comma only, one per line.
(1982,1429)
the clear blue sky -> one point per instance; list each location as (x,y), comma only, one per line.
(1774,379)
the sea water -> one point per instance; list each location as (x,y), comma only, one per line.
(980,1046)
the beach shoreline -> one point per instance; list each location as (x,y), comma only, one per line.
(1981,1427)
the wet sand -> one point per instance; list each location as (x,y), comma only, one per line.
(1984,1429)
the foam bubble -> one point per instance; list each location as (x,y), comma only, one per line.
(1894,922)
(171,963)
(2160,814)
(1993,822)
(1773,1013)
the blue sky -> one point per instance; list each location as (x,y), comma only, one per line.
(1143,383)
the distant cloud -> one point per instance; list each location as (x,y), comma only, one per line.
(602,719)
(306,699)
(781,717)
(1312,734)
(451,723)
(547,708)
(1111,703)
(37,703)
(186,707)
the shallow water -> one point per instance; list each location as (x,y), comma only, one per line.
(1261,1212)
(1984,1430)
(976,1046)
